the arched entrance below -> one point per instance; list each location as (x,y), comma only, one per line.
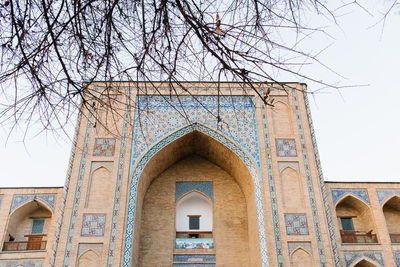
(196,157)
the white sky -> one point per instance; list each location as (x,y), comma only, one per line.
(358,130)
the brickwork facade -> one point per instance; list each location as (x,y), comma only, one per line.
(258,165)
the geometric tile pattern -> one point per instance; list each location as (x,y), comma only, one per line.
(351,257)
(78,190)
(184,187)
(217,135)
(18,200)
(118,185)
(65,192)
(384,194)
(396,255)
(309,179)
(93,224)
(285,148)
(296,224)
(193,265)
(327,208)
(104,147)
(358,193)
(272,189)
(24,263)
(194,257)
(292,246)
(161,115)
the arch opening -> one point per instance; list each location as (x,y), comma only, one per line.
(365,263)
(355,221)
(27,227)
(301,257)
(196,149)
(391,211)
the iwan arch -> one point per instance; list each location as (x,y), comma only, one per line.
(208,179)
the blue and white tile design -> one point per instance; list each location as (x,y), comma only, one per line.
(254,172)
(104,147)
(358,193)
(385,194)
(292,246)
(351,257)
(24,263)
(65,193)
(285,148)
(182,188)
(272,190)
(194,257)
(193,265)
(296,224)
(18,200)
(309,179)
(93,225)
(118,185)
(328,214)
(396,255)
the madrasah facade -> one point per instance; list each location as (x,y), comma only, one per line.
(211,178)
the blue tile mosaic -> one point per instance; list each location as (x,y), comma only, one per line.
(194,257)
(352,257)
(327,208)
(65,193)
(254,172)
(193,265)
(296,224)
(104,147)
(118,185)
(385,194)
(182,188)
(24,263)
(358,193)
(272,190)
(396,255)
(93,224)
(309,179)
(18,200)
(285,148)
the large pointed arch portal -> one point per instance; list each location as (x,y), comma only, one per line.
(251,188)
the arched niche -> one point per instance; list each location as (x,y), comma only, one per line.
(194,204)
(300,257)
(196,142)
(365,263)
(100,181)
(28,227)
(89,259)
(355,221)
(281,119)
(292,193)
(391,210)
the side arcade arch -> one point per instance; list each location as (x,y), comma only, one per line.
(218,149)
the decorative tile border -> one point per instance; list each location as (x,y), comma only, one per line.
(385,194)
(194,257)
(182,188)
(310,186)
(272,190)
(193,265)
(24,262)
(396,255)
(18,200)
(104,147)
(194,243)
(78,191)
(285,148)
(118,184)
(351,257)
(296,224)
(170,138)
(358,193)
(65,192)
(93,225)
(292,246)
(328,214)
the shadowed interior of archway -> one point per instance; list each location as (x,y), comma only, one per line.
(206,149)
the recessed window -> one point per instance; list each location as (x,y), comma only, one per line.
(194,222)
(37,226)
(347,224)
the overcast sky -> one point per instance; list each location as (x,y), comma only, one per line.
(358,129)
